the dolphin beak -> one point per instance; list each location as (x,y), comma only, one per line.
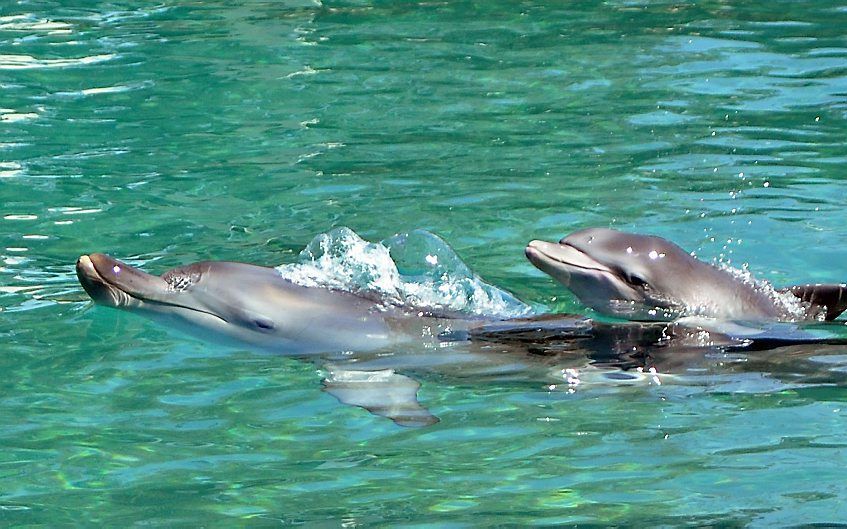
(116,284)
(561,260)
(539,254)
(94,285)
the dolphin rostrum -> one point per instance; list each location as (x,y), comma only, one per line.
(643,277)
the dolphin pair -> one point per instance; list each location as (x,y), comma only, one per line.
(642,277)
(633,276)
(622,274)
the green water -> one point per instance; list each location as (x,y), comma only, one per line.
(172,132)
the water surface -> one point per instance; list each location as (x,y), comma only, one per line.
(172,132)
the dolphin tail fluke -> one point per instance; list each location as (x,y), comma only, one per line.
(833,297)
(384,393)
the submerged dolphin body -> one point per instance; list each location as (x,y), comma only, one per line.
(642,277)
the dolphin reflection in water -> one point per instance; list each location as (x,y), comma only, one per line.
(373,353)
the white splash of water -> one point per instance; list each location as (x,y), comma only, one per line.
(416,270)
(787,302)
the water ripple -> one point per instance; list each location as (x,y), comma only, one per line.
(27,62)
(183,131)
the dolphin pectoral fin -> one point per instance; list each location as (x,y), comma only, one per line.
(831,296)
(384,393)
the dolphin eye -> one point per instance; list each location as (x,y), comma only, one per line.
(263,324)
(636,280)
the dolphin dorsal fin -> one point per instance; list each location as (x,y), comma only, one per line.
(831,296)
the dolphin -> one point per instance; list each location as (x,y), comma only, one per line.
(643,277)
(238,303)
(245,305)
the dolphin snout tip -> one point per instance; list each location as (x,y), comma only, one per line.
(534,251)
(92,282)
(89,264)
(84,266)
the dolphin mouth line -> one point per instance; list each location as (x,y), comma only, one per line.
(93,275)
(576,259)
(177,305)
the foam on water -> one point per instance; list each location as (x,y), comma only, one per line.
(417,270)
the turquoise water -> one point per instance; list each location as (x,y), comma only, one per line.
(172,132)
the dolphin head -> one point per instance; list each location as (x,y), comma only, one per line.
(237,304)
(197,291)
(623,274)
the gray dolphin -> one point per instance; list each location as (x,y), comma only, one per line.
(643,277)
(238,303)
(245,305)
